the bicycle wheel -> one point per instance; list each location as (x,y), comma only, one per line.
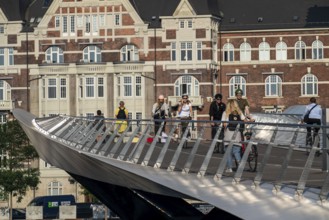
(253,158)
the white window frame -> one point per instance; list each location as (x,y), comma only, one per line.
(138,86)
(90,87)
(100,86)
(264,51)
(55,188)
(173,51)
(95,24)
(65,25)
(117,19)
(309,85)
(51,88)
(129,53)
(79,21)
(186,51)
(245,52)
(317,50)
(6,56)
(87,25)
(300,50)
(72,25)
(57,21)
(237,82)
(54,54)
(228,52)
(92,54)
(5,91)
(273,86)
(281,51)
(187,85)
(127,86)
(63,88)
(198,50)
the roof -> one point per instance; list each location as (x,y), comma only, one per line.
(278,14)
(150,8)
(20,10)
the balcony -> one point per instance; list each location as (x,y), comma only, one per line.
(195,100)
(6,105)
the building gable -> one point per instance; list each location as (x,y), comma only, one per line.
(184,9)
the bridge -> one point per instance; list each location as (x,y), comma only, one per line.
(140,178)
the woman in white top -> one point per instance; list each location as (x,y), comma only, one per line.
(232,113)
(185,112)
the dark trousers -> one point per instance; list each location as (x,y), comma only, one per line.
(157,125)
(219,146)
(312,121)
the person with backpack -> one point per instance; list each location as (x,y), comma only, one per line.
(217,107)
(234,115)
(121,113)
(314,113)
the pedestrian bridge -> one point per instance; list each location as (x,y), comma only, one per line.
(139,178)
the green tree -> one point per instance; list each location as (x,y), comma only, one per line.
(16,156)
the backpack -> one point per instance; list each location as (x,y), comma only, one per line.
(121,114)
(233,117)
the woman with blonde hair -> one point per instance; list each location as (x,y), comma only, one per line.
(232,113)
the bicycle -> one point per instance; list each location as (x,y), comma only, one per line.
(252,159)
(253,154)
(310,139)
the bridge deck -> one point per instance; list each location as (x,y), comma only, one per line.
(288,183)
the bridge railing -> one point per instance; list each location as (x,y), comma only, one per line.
(284,158)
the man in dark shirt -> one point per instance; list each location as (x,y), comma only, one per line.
(217,107)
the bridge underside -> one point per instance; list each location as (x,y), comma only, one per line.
(136,204)
(140,188)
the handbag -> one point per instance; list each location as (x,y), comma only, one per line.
(307,115)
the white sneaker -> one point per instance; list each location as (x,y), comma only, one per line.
(229,170)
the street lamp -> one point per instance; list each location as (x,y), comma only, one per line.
(26,29)
(154,24)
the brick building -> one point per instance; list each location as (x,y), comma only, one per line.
(76,56)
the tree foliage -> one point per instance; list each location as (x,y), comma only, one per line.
(16,155)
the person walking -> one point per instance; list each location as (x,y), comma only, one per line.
(160,111)
(232,113)
(242,102)
(217,107)
(184,112)
(121,113)
(99,122)
(314,112)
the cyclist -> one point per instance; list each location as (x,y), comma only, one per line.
(315,114)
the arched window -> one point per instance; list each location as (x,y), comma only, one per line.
(54,55)
(55,188)
(187,85)
(129,53)
(264,51)
(273,86)
(92,54)
(235,83)
(228,52)
(245,52)
(317,50)
(300,50)
(309,85)
(281,51)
